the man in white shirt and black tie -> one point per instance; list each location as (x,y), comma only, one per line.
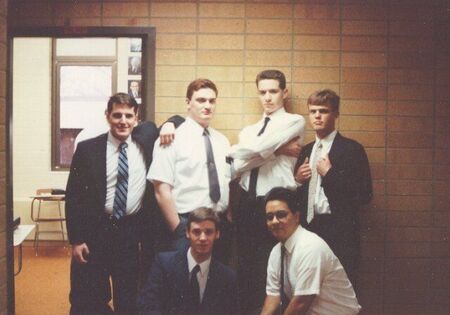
(303,274)
(264,158)
(192,171)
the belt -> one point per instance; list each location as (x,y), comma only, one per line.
(125,220)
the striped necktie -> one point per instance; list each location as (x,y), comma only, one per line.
(120,197)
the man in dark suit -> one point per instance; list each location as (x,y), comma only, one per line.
(188,282)
(107,213)
(335,181)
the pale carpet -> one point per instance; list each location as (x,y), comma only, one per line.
(42,288)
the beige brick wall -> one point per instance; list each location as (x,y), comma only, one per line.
(389,60)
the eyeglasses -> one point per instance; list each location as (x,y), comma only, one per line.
(280,215)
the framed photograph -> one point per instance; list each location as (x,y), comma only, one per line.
(134,65)
(134,89)
(135,45)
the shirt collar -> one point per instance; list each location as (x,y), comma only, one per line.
(290,242)
(204,266)
(195,126)
(276,113)
(116,142)
(328,140)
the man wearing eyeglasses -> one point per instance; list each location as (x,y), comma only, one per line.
(303,274)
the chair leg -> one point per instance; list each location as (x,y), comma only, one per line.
(61,221)
(36,239)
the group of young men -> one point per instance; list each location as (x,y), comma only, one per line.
(133,194)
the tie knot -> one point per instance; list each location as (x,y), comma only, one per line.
(123,146)
(195,270)
(319,145)
(266,120)
(206,132)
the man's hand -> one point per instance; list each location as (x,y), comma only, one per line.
(304,172)
(80,252)
(323,165)
(167,133)
(291,148)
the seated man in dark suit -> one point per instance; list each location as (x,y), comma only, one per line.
(191,281)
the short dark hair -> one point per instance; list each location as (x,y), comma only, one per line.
(272,74)
(203,214)
(200,84)
(283,194)
(122,98)
(325,97)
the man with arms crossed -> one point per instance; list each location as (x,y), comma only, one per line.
(265,158)
(192,171)
(303,274)
(335,177)
(192,281)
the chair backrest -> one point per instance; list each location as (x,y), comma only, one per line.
(44,191)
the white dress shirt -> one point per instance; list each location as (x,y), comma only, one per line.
(136,174)
(321,204)
(183,166)
(312,269)
(253,151)
(202,275)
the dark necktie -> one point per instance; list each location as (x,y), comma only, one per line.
(120,197)
(195,287)
(214,188)
(254,172)
(284,300)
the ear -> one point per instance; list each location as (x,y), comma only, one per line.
(285,93)
(217,235)
(188,105)
(297,217)
(187,234)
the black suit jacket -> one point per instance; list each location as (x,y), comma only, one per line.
(167,288)
(347,185)
(86,186)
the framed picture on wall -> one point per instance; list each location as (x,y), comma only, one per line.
(134,65)
(134,89)
(135,45)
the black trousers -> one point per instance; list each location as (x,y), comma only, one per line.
(114,253)
(343,239)
(254,243)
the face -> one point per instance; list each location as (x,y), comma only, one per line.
(280,220)
(322,119)
(201,106)
(271,95)
(134,86)
(202,236)
(122,120)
